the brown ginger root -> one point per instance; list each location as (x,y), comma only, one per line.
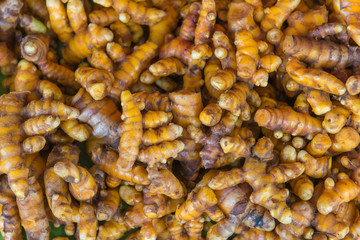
(302,187)
(77,16)
(319,101)
(329,225)
(87,226)
(130,195)
(165,133)
(32,212)
(11,228)
(103,17)
(59,20)
(166,67)
(210,115)
(108,204)
(99,59)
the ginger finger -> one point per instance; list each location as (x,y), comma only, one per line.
(113,229)
(41,125)
(223,79)
(32,212)
(87,226)
(335,119)
(306,77)
(211,68)
(187,28)
(112,182)
(352,85)
(303,187)
(77,131)
(115,52)
(39,9)
(97,82)
(215,213)
(11,228)
(315,167)
(318,146)
(329,225)
(77,15)
(33,144)
(99,59)
(165,133)
(82,184)
(103,17)
(59,20)
(166,67)
(160,153)
(302,125)
(108,204)
(130,195)
(7,56)
(137,12)
(131,68)
(224,50)
(319,101)
(106,161)
(164,182)
(210,115)
(235,145)
(153,101)
(223,229)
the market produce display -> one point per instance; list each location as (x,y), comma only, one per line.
(208,119)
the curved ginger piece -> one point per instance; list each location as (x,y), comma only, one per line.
(138,13)
(130,69)
(131,132)
(236,146)
(34,48)
(335,119)
(165,133)
(9,214)
(153,101)
(99,59)
(335,193)
(166,67)
(234,100)
(195,204)
(114,228)
(314,78)
(32,212)
(104,16)
(211,115)
(288,121)
(330,225)
(40,125)
(277,14)
(108,204)
(302,187)
(77,16)
(75,130)
(345,141)
(6,55)
(164,182)
(82,184)
(107,161)
(160,153)
(80,46)
(87,225)
(97,82)
(59,20)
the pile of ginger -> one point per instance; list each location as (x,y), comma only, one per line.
(211,119)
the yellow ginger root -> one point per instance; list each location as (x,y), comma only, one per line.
(136,30)
(187,28)
(7,56)
(302,215)
(247,54)
(99,59)
(175,228)
(302,187)
(59,20)
(277,14)
(113,229)
(32,212)
(35,48)
(122,34)
(41,125)
(300,23)
(55,108)
(345,140)
(236,146)
(319,101)
(75,130)
(241,17)
(204,30)
(160,153)
(87,226)
(234,100)
(9,215)
(164,182)
(166,67)
(256,234)
(115,52)
(130,195)
(131,132)
(186,107)
(97,82)
(335,119)
(335,193)
(130,69)
(222,229)
(36,164)
(108,204)
(166,25)
(288,121)
(107,161)
(211,68)
(211,115)
(82,184)
(56,189)
(318,52)
(153,101)
(77,16)
(147,77)
(313,78)
(104,16)
(195,204)
(80,46)
(131,10)
(315,167)
(153,119)
(165,133)
(318,146)
(103,116)
(329,225)
(12,161)
(166,84)
(135,217)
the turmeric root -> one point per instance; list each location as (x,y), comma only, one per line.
(302,125)
(103,17)
(130,9)
(153,101)
(210,115)
(77,16)
(303,187)
(114,228)
(87,226)
(160,153)
(165,133)
(11,228)
(166,67)
(345,140)
(99,59)
(59,20)
(335,119)
(106,161)
(32,212)
(330,225)
(131,68)
(108,204)
(7,56)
